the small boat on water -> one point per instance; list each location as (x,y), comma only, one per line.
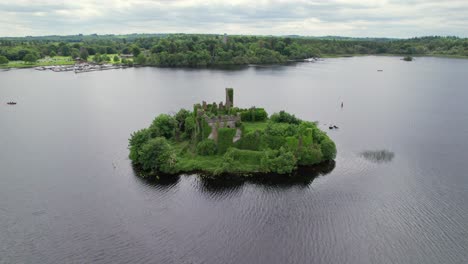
(379,70)
(11,103)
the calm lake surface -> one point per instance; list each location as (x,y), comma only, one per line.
(68,193)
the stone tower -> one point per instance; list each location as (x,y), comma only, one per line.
(229,98)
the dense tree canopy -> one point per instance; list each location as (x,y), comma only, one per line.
(177,50)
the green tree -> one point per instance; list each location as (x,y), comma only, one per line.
(136,51)
(309,155)
(52,54)
(75,53)
(136,142)
(180,118)
(157,155)
(30,58)
(281,161)
(189,127)
(163,126)
(328,149)
(84,53)
(97,58)
(116,58)
(140,59)
(3,60)
(284,117)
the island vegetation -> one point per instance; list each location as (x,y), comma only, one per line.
(217,139)
(185,50)
(408,58)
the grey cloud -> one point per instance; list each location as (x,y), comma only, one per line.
(395,18)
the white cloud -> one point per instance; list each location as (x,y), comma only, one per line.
(380,18)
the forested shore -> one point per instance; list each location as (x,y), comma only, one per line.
(197,50)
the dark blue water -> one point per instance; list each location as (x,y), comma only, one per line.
(398,192)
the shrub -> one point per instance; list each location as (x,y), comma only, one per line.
(254,114)
(206,129)
(275,134)
(318,135)
(3,60)
(180,118)
(229,163)
(281,161)
(328,149)
(225,137)
(140,59)
(206,147)
(30,58)
(250,141)
(245,156)
(309,155)
(237,160)
(97,58)
(281,129)
(284,117)
(136,141)
(157,155)
(163,126)
(273,142)
(408,58)
(305,135)
(292,143)
(189,127)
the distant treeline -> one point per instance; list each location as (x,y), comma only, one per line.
(175,50)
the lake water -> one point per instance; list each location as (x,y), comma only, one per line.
(398,192)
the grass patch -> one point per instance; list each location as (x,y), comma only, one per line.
(253,126)
(194,162)
(57,60)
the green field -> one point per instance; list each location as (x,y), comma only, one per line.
(57,60)
(252,126)
(48,61)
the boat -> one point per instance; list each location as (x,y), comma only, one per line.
(11,103)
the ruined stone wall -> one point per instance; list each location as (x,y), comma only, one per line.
(220,122)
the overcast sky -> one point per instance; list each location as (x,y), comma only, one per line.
(356,18)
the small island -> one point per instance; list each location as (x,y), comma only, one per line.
(216,139)
(408,58)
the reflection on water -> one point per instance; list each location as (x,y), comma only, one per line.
(378,156)
(303,177)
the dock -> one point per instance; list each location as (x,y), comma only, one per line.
(81,67)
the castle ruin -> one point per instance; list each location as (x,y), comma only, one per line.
(219,115)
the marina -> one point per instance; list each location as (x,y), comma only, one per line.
(81,67)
